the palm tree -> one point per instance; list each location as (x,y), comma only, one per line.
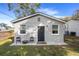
(23,9)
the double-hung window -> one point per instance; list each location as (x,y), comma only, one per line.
(54,29)
(22,29)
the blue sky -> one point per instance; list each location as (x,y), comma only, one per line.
(53,9)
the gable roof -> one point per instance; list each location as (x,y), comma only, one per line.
(38,13)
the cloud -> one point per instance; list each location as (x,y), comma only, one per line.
(5,19)
(51,12)
(48,11)
(59,16)
(6,22)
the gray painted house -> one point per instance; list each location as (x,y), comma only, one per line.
(73,27)
(37,29)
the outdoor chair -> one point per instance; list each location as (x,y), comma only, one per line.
(18,40)
(31,39)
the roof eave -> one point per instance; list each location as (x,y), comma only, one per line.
(15,21)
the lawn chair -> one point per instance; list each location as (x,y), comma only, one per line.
(18,40)
(31,39)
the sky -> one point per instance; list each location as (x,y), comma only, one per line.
(54,9)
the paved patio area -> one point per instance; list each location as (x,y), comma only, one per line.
(14,44)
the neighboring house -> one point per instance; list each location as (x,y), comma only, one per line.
(38,28)
(73,27)
(2,28)
(5,28)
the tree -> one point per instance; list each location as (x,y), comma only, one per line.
(75,16)
(23,9)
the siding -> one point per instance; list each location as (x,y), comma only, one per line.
(33,22)
(73,26)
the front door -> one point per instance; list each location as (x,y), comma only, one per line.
(41,33)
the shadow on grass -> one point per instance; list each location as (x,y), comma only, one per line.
(73,42)
(6,50)
(51,50)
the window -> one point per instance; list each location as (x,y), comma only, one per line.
(23,29)
(73,33)
(55,29)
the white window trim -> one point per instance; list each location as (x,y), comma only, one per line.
(58,30)
(22,34)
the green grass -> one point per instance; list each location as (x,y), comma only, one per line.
(46,50)
(6,50)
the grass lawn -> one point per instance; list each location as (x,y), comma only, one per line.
(52,50)
(5,49)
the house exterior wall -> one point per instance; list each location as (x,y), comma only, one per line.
(73,26)
(2,28)
(44,21)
